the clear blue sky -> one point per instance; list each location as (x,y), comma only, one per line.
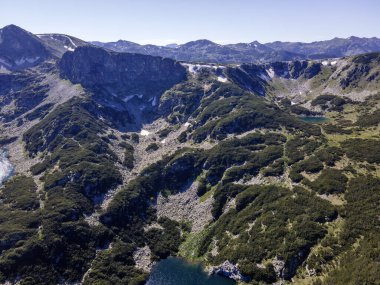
(223,21)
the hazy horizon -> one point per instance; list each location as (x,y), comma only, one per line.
(169,21)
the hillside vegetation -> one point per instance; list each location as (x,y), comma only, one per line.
(116,170)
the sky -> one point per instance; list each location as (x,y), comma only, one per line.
(178,21)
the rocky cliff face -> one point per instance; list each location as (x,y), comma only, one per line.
(20,49)
(124,81)
(127,73)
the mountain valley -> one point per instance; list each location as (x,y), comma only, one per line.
(122,158)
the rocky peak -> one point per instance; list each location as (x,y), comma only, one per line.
(199,44)
(20,49)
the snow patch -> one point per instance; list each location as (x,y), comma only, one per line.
(71,41)
(127,98)
(154,102)
(23,60)
(195,68)
(144,133)
(3,69)
(218,66)
(69,48)
(130,97)
(326,62)
(263,76)
(270,72)
(222,79)
(6,168)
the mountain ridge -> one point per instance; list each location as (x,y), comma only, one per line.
(254,51)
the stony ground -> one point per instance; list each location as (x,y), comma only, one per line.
(186,206)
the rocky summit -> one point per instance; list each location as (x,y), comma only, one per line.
(20,49)
(259,161)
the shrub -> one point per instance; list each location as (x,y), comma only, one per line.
(135,138)
(264,217)
(362,149)
(368,120)
(332,102)
(330,181)
(20,193)
(152,147)
(129,159)
(311,165)
(329,155)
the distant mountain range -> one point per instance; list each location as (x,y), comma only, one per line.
(38,48)
(208,51)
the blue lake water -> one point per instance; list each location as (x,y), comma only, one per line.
(6,168)
(177,271)
(314,120)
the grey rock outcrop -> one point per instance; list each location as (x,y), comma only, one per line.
(229,270)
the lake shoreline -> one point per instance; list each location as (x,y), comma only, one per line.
(314,119)
(180,271)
